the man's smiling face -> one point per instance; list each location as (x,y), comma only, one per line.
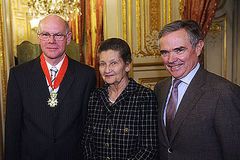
(178,54)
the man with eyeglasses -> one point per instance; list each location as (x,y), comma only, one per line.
(199,112)
(47,100)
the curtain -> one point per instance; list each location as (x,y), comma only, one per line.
(94,28)
(99,37)
(99,27)
(202,11)
(91,22)
(89,34)
(81,30)
(3,83)
(76,26)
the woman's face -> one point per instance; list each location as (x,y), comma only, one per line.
(112,68)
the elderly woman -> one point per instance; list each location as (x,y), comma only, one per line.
(122,121)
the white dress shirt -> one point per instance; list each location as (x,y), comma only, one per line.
(182,87)
(58,66)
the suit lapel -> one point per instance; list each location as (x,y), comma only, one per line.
(66,82)
(189,100)
(103,93)
(39,81)
(164,89)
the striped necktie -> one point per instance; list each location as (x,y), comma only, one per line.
(53,74)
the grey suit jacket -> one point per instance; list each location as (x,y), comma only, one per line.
(207,123)
(35,131)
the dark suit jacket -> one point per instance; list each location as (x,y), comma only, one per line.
(35,131)
(207,123)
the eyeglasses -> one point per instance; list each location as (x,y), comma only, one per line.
(176,51)
(47,36)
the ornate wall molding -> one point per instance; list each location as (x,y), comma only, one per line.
(150,82)
(181,7)
(218,30)
(214,31)
(149,24)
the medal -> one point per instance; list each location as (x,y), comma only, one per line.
(53,101)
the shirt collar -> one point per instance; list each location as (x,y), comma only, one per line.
(187,79)
(58,66)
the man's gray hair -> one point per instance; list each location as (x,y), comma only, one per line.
(190,26)
(66,23)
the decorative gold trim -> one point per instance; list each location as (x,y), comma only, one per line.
(93,29)
(164,12)
(148,64)
(225,47)
(130,30)
(148,37)
(138,14)
(144,23)
(181,8)
(124,19)
(150,82)
(216,27)
(117,19)
(161,10)
(76,23)
(149,70)
(27,28)
(130,22)
(154,23)
(3,75)
(25,31)
(169,11)
(155,10)
(146,19)
(151,79)
(214,30)
(105,19)
(152,47)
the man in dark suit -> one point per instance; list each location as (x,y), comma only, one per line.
(47,100)
(199,112)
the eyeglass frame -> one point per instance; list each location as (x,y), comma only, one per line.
(53,35)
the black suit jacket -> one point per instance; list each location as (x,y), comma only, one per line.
(207,122)
(35,131)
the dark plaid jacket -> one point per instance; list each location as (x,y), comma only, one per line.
(126,129)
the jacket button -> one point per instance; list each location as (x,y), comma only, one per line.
(170,150)
(107,145)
